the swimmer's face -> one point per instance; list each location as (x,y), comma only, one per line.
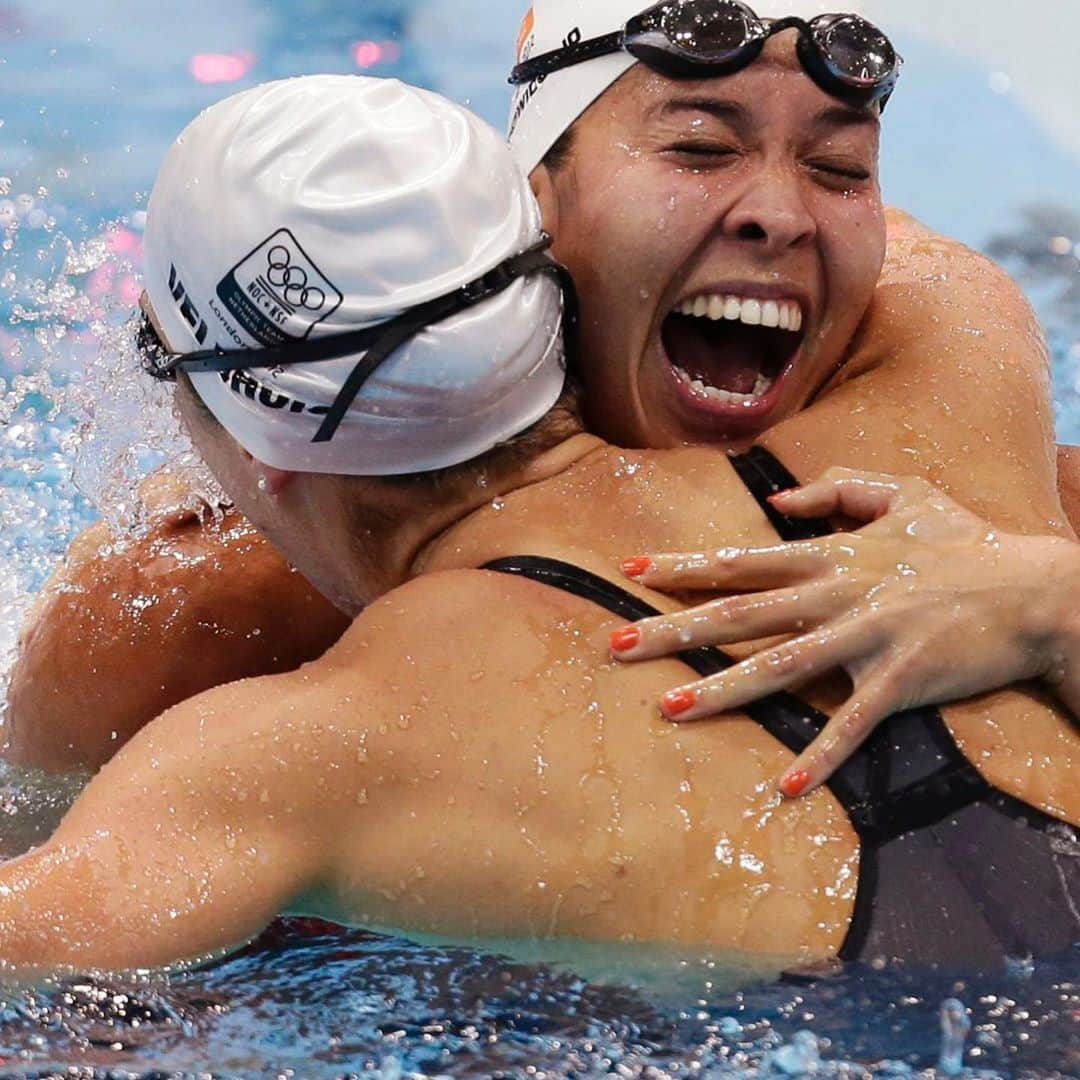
(688,212)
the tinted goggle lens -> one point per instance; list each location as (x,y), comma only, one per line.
(712,30)
(856,50)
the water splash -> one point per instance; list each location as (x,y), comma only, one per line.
(80,425)
(955,1028)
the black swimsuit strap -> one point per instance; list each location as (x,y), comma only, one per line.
(879,805)
(907,777)
(886,810)
(789,720)
(764,475)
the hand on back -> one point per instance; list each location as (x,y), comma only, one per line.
(924,604)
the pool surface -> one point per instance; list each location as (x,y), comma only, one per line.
(93,93)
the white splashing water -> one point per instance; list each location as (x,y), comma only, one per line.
(80,423)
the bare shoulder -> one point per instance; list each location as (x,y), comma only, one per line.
(940,285)
(951,363)
(444,626)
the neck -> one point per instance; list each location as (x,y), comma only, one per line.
(412,526)
(436,533)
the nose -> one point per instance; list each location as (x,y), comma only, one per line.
(771,212)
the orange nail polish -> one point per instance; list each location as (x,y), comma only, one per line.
(678,702)
(629,637)
(795,784)
(635,568)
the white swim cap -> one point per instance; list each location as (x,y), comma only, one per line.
(310,207)
(541,111)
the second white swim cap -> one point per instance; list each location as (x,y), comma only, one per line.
(542,111)
(310,207)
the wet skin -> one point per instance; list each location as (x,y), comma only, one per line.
(764,200)
(388,784)
(759,185)
(353,787)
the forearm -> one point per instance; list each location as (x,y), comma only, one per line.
(182,847)
(98,903)
(123,635)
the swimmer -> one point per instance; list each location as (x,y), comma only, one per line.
(229,607)
(467,741)
(596,111)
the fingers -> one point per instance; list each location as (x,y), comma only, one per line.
(746,568)
(863,496)
(874,700)
(736,618)
(766,673)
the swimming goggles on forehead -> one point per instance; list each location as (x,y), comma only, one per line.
(377,343)
(848,57)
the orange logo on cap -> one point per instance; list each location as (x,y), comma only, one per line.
(527,27)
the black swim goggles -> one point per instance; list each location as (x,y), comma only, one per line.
(848,57)
(377,343)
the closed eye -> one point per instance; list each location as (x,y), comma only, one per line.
(847,172)
(702,153)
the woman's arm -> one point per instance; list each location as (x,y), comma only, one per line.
(122,633)
(925,605)
(212,820)
(949,381)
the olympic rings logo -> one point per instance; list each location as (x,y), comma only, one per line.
(292,280)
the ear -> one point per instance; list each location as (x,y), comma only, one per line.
(268,479)
(274,481)
(543,186)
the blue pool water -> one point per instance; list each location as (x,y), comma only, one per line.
(90,96)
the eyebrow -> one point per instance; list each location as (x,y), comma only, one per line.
(730,112)
(842,116)
(740,118)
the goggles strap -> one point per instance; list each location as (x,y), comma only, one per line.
(566,56)
(539,67)
(414,322)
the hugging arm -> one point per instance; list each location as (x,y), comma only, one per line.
(123,632)
(949,381)
(926,604)
(186,843)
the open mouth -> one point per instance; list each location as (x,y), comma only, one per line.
(730,351)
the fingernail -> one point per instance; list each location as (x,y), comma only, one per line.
(678,702)
(782,494)
(629,637)
(795,784)
(635,568)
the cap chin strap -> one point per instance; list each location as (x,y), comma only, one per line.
(400,330)
(377,343)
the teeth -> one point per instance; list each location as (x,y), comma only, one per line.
(726,396)
(785,314)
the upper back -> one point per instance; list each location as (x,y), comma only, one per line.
(507,756)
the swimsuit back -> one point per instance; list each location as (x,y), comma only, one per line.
(951,870)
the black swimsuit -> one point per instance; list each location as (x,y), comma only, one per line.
(951,870)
